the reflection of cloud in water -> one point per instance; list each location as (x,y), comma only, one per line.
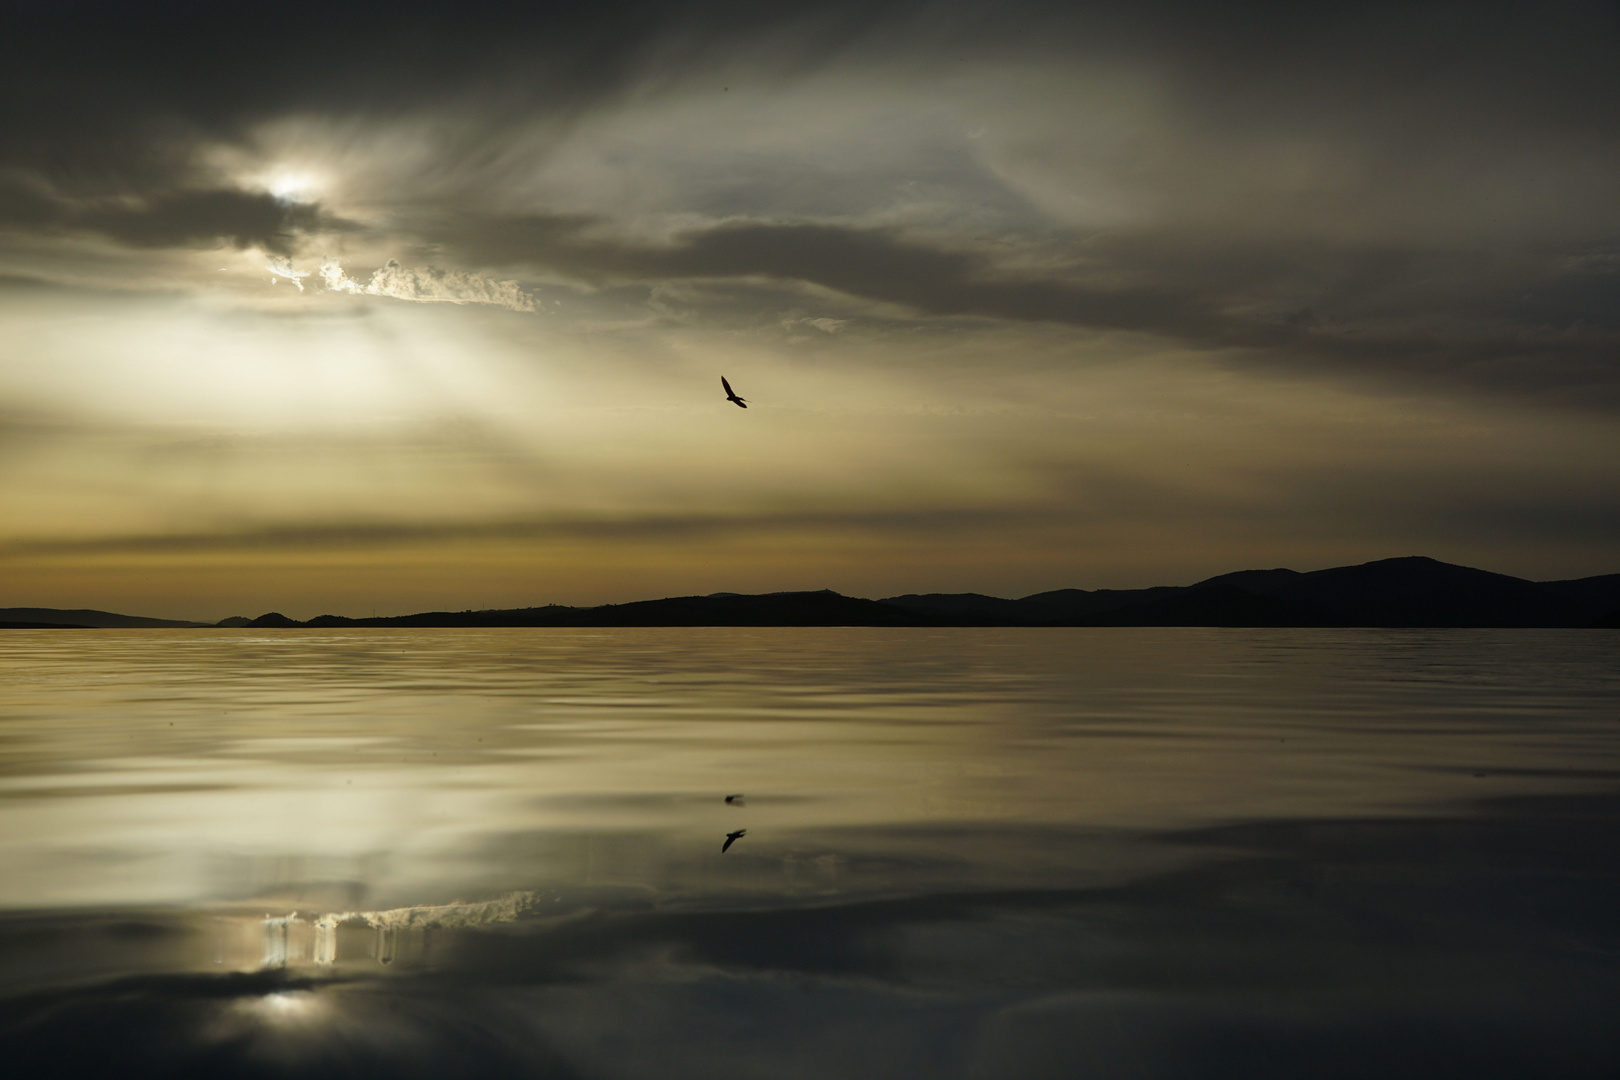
(278,939)
(502,909)
(1478,944)
(288,938)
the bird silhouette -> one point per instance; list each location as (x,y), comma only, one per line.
(734,800)
(731,395)
(731,838)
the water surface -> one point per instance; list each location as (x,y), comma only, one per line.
(978,852)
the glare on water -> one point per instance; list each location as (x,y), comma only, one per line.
(412,766)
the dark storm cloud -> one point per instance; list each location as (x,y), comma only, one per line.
(1214,300)
(99,89)
(119,84)
(873,264)
(1458,220)
(173,219)
(189,217)
(107,102)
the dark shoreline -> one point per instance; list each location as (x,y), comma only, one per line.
(1414,592)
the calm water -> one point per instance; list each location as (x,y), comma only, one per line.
(968,853)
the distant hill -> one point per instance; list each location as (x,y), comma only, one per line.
(1410,592)
(1422,592)
(1604,591)
(79,618)
(824,608)
(1413,591)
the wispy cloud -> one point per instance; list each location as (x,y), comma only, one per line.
(281,268)
(429,285)
(824,323)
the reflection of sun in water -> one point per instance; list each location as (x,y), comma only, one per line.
(285,1007)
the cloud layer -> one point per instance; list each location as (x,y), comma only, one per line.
(1389,190)
(1225,261)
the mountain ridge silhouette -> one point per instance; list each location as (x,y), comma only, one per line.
(1411,591)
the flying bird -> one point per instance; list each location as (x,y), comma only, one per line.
(731,395)
(731,838)
(734,800)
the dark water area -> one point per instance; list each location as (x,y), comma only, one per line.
(963,853)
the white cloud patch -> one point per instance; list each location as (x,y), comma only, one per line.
(824,324)
(428,285)
(284,269)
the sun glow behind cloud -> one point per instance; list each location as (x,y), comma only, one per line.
(292,186)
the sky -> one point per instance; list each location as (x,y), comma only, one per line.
(360,308)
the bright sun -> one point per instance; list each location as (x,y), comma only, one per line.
(291,185)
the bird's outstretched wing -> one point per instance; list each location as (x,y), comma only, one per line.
(729,391)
